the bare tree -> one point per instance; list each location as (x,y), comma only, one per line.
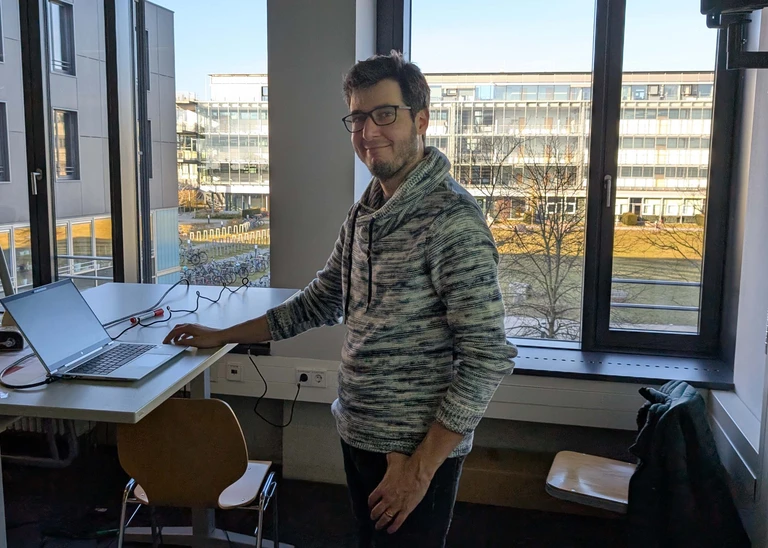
(543,257)
(485,167)
(672,237)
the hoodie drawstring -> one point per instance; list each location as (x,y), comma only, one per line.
(370,265)
(349,265)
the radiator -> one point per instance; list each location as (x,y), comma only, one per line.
(41,426)
(67,431)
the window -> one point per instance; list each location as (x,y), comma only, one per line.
(484,93)
(525,164)
(671,92)
(5,168)
(654,308)
(61,37)
(66,145)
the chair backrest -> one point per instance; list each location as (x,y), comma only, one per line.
(184,453)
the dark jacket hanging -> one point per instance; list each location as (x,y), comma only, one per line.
(679,494)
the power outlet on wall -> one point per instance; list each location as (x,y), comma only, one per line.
(311,377)
(234,372)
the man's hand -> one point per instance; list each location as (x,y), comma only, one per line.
(192,334)
(401,490)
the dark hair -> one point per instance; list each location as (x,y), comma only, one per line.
(373,70)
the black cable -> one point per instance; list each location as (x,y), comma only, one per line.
(170,312)
(228,539)
(199,296)
(151,308)
(258,400)
(138,323)
(47,380)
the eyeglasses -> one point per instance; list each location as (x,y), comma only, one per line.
(381,116)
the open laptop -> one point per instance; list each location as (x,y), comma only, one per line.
(71,342)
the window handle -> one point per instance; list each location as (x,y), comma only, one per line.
(34,176)
(608,184)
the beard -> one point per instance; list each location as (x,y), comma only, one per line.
(404,154)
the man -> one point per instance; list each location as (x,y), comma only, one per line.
(414,276)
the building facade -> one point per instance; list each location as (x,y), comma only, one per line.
(491,126)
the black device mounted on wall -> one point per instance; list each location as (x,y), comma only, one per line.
(733,15)
(10,338)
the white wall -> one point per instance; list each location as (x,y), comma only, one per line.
(13,195)
(752,173)
(311,45)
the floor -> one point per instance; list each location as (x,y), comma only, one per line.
(69,507)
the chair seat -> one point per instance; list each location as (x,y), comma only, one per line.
(241,493)
(590,480)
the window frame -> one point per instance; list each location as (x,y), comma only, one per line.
(598,265)
(2,36)
(5,143)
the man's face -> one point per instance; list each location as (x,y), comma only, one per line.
(386,150)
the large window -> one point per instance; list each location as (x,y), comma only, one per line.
(66,145)
(61,34)
(221,219)
(517,139)
(601,234)
(5,168)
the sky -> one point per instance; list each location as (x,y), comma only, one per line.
(451,36)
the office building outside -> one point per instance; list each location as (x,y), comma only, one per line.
(663,154)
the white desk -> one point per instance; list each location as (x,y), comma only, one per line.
(128,402)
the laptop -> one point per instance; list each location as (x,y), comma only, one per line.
(70,341)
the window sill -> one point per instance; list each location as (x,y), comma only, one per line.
(616,367)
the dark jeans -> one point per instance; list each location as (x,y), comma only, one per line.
(426,527)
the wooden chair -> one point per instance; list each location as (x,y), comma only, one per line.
(590,480)
(192,453)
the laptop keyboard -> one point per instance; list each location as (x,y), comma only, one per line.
(105,363)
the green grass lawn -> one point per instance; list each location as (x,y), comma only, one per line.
(516,269)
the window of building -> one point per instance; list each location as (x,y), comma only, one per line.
(61,37)
(484,93)
(639,93)
(561,93)
(546,93)
(5,168)
(671,92)
(530,93)
(66,145)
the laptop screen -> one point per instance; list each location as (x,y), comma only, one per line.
(57,322)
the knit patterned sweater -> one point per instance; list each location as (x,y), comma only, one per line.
(415,279)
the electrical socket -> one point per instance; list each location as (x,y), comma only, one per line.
(314,377)
(234,372)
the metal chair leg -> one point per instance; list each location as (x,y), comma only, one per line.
(275,528)
(260,527)
(153,527)
(126,494)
